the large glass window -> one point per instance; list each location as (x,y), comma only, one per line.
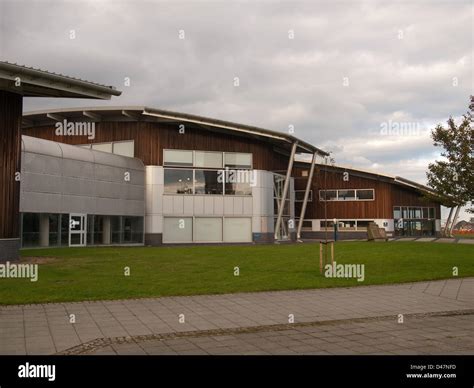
(116,229)
(208,159)
(54,230)
(98,226)
(132,230)
(31,229)
(237,160)
(178,181)
(178,158)
(243,188)
(65,229)
(414,221)
(207,182)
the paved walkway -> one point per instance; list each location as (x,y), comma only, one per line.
(445,240)
(448,334)
(47,328)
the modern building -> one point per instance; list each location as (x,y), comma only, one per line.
(193,179)
(17,82)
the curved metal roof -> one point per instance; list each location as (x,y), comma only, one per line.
(143,113)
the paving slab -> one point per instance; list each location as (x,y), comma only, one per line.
(155,316)
(466,241)
(445,240)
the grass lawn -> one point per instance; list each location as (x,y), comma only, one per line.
(75,274)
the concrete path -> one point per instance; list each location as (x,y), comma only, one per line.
(49,329)
(447,334)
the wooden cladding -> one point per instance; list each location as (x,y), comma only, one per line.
(152,137)
(10,160)
(387,195)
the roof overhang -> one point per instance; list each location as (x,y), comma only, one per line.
(31,82)
(143,113)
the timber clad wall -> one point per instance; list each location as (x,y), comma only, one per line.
(387,195)
(10,159)
(151,138)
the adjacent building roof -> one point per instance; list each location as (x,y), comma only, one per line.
(143,113)
(32,82)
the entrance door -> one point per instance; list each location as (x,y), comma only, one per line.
(77,230)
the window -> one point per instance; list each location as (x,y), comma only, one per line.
(346,195)
(404,212)
(363,225)
(237,180)
(286,209)
(413,212)
(116,229)
(177,158)
(346,225)
(327,224)
(177,181)
(208,159)
(31,229)
(299,195)
(237,160)
(328,195)
(243,188)
(365,194)
(124,148)
(397,213)
(207,182)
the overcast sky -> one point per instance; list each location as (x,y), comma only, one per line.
(342,73)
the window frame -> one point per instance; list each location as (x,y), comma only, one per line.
(345,200)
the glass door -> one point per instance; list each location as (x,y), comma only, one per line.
(77,230)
